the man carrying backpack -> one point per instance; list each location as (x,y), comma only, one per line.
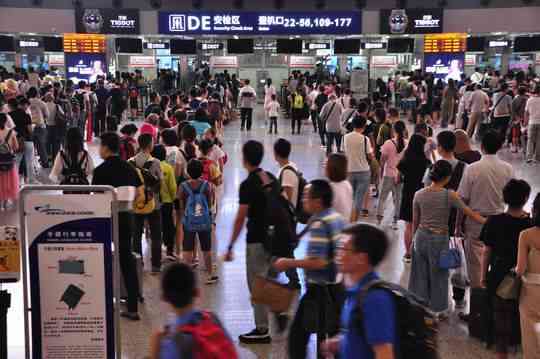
(192,333)
(252,208)
(147,207)
(289,179)
(319,308)
(369,318)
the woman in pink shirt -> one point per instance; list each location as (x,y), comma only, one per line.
(150,126)
(391,152)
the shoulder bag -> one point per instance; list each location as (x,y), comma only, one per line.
(450,258)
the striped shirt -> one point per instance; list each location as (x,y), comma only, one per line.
(322,244)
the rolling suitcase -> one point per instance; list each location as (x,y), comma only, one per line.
(139,268)
(480,317)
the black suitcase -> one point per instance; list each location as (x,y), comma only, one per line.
(480,321)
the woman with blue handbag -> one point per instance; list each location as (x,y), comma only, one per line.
(432,256)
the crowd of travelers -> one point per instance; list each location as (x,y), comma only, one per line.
(433,146)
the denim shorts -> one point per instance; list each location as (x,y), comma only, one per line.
(360,184)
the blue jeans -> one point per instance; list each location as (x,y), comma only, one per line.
(40,140)
(28,156)
(427,280)
(360,184)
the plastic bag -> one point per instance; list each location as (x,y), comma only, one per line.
(459,277)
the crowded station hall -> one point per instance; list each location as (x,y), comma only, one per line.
(271,179)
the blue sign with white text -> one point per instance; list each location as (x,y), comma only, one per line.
(260,23)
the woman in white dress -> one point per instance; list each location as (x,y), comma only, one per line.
(269,90)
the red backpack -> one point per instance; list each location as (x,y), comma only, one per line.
(127,150)
(204,338)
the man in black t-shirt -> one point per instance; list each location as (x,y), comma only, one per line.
(118,173)
(252,207)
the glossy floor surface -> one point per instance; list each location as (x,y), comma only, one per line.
(229,297)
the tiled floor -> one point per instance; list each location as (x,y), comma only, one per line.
(229,297)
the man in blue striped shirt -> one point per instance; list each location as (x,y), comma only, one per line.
(324,297)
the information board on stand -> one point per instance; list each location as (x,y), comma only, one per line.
(69,263)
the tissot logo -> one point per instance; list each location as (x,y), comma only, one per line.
(427,21)
(46,209)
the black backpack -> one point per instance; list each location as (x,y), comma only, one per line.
(301,216)
(74,174)
(151,182)
(7,155)
(416,325)
(279,219)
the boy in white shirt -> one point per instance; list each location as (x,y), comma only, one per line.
(273,109)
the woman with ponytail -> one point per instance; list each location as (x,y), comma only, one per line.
(391,152)
(431,211)
(73,165)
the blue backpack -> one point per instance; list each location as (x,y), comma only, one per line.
(197,216)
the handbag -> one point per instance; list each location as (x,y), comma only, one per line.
(450,258)
(460,276)
(510,287)
(276,296)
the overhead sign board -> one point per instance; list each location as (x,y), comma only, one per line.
(317,45)
(156,45)
(207,46)
(302,61)
(260,23)
(373,45)
(107,21)
(499,43)
(411,21)
(445,43)
(29,43)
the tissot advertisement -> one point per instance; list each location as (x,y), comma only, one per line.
(411,21)
(260,23)
(445,66)
(107,21)
(85,67)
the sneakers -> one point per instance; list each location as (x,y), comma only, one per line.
(256,336)
(211,279)
(407,259)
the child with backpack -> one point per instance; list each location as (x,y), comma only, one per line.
(211,171)
(128,143)
(9,175)
(195,197)
(72,165)
(193,333)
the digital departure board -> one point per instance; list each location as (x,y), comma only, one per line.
(445,43)
(84,43)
